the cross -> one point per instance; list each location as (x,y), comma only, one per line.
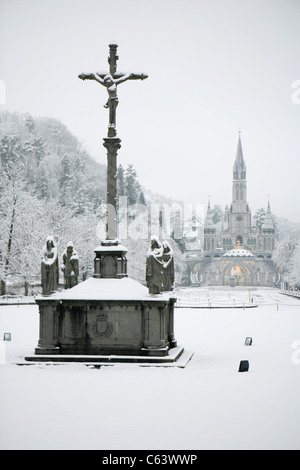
(110,81)
(112,143)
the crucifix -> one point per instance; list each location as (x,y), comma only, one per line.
(112,143)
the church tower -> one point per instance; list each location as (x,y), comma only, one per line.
(268,233)
(239,217)
(210,231)
(234,253)
(239,185)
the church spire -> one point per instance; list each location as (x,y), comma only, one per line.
(209,223)
(239,184)
(239,167)
(268,225)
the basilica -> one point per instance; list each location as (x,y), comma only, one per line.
(237,254)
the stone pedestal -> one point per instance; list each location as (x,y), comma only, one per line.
(108,314)
(110,260)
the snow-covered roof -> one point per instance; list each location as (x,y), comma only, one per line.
(237,251)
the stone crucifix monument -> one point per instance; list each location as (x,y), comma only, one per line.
(112,143)
(108,317)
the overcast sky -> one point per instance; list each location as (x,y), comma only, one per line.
(214,66)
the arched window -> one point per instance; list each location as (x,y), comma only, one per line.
(239,240)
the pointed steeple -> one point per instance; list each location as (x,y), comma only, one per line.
(239,184)
(268,225)
(239,167)
(209,224)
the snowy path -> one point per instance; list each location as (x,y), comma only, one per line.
(206,405)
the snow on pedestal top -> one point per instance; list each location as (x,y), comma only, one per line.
(107,289)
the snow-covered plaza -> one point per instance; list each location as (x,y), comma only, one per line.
(205,405)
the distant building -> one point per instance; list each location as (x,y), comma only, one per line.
(236,254)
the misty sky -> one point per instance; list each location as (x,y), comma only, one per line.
(214,66)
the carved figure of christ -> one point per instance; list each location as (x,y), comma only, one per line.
(110,81)
(110,84)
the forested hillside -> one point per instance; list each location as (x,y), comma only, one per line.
(51,161)
(49,185)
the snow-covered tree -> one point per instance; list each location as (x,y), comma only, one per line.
(218,214)
(11,152)
(259,218)
(131,185)
(120,181)
(22,226)
(29,122)
(295,268)
(285,256)
(66,181)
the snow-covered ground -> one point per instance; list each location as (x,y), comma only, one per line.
(206,405)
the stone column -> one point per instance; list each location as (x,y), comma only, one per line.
(155,320)
(172,340)
(48,328)
(112,145)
